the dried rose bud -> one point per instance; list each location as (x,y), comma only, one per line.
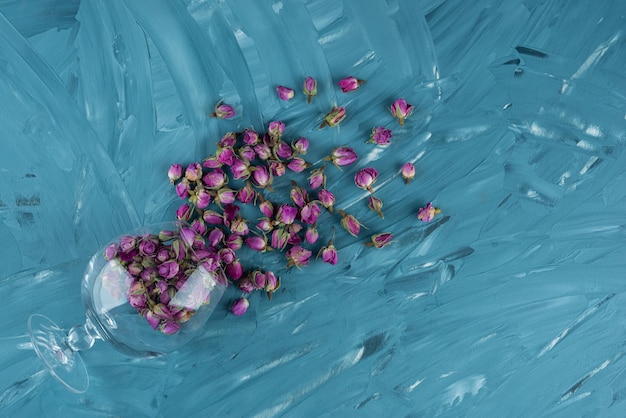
(261,177)
(203,198)
(259,279)
(326,198)
(193,171)
(275,130)
(309,213)
(239,226)
(365,178)
(279,239)
(272,283)
(286,214)
(311,235)
(225,196)
(349,84)
(233,241)
(265,224)
(408,172)
(228,140)
(300,145)
(225,155)
(298,256)
(223,111)
(263,151)
(211,162)
(257,243)
(427,213)
(246,153)
(309,88)
(212,218)
(329,252)
(380,240)
(283,150)
(184,212)
(266,207)
(376,205)
(175,172)
(298,195)
(317,178)
(380,136)
(240,169)
(234,270)
(277,168)
(250,137)
(246,285)
(240,306)
(215,237)
(215,179)
(246,194)
(284,93)
(182,189)
(297,165)
(342,156)
(401,110)
(334,117)
(350,223)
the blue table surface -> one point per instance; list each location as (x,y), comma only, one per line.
(511,302)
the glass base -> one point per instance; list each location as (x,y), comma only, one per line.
(50,343)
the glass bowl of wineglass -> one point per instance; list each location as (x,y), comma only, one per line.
(146,293)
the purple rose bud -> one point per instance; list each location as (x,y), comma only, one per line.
(309,88)
(317,178)
(329,254)
(228,140)
(300,145)
(311,235)
(153,320)
(298,256)
(239,226)
(284,93)
(266,207)
(240,169)
(259,279)
(350,223)
(240,306)
(226,196)
(233,241)
(263,151)
(184,212)
(271,282)
(175,172)
(342,156)
(250,137)
(349,84)
(298,195)
(408,172)
(275,130)
(297,164)
(309,213)
(334,117)
(286,214)
(277,168)
(182,189)
(401,110)
(211,162)
(170,327)
(147,247)
(163,254)
(168,269)
(326,198)
(193,172)
(225,156)
(427,213)
(203,198)
(212,218)
(380,240)
(226,255)
(246,194)
(261,177)
(376,205)
(215,179)
(111,251)
(215,237)
(246,285)
(257,243)
(247,153)
(283,150)
(365,178)
(234,270)
(230,213)
(265,224)
(223,111)
(380,136)
(279,239)
(128,243)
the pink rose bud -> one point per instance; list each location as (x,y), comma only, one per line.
(300,145)
(334,117)
(329,255)
(233,241)
(212,218)
(272,283)
(250,137)
(228,140)
(225,156)
(199,226)
(182,189)
(266,207)
(309,213)
(298,256)
(365,178)
(257,243)
(246,194)
(265,225)
(211,162)
(259,279)
(175,172)
(284,93)
(297,165)
(234,270)
(426,214)
(401,110)
(275,130)
(184,212)
(317,178)
(298,195)
(283,150)
(246,153)
(225,196)
(279,239)
(309,88)
(111,251)
(286,214)
(262,151)
(342,156)
(311,235)
(239,226)
(350,223)
(203,198)
(277,168)
(326,198)
(380,136)
(246,285)
(379,240)
(240,169)
(261,177)
(376,205)
(223,111)
(215,179)
(193,171)
(240,306)
(226,255)
(349,84)
(230,213)
(408,172)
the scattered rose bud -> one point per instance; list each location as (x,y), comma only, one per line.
(334,117)
(234,270)
(275,130)
(350,223)
(326,198)
(203,198)
(279,239)
(175,172)
(215,179)
(311,235)
(380,136)
(401,110)
(261,177)
(193,171)
(250,137)
(298,195)
(349,84)
(286,214)
(297,165)
(225,156)
(246,153)
(317,178)
(284,93)
(300,145)
(408,172)
(309,213)
(376,205)
(365,178)
(277,168)
(182,189)
(342,156)
(184,212)
(246,194)
(329,252)
(262,151)
(283,150)
(266,207)
(228,140)
(240,306)
(272,284)
(309,88)
(257,243)
(298,256)
(380,240)
(223,111)
(427,213)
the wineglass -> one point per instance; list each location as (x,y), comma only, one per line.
(147,293)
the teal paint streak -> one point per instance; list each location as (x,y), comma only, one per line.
(511,303)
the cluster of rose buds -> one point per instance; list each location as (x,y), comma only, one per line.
(242,172)
(159,266)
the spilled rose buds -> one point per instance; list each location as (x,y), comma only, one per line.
(401,110)
(349,84)
(223,111)
(408,172)
(427,213)
(240,306)
(334,117)
(365,178)
(379,240)
(380,136)
(309,88)
(284,93)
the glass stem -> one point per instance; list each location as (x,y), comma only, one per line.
(82,337)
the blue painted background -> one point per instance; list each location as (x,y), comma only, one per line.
(510,303)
